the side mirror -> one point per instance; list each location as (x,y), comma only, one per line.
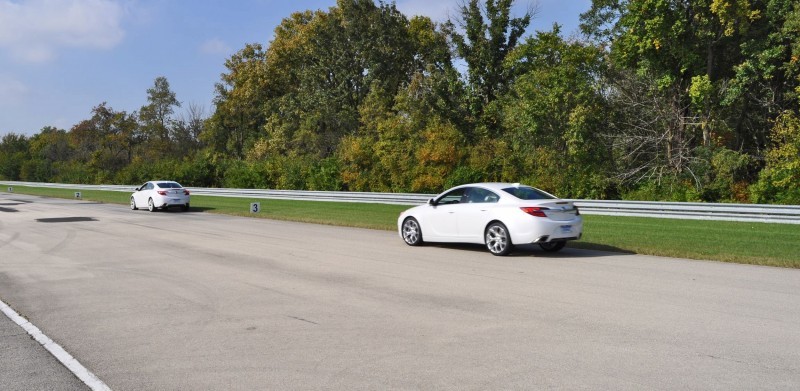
(431,202)
(136,189)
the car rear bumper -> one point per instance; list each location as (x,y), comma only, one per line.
(168,201)
(546,230)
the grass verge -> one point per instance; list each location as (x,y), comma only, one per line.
(738,242)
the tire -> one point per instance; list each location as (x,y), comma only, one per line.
(133,204)
(411,231)
(150,205)
(497,239)
(552,246)
(185,207)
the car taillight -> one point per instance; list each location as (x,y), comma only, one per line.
(162,192)
(185,192)
(534,211)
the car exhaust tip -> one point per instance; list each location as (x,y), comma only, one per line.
(542,239)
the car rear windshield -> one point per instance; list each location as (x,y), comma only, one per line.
(528,193)
(169,185)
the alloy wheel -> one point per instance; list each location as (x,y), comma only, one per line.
(497,239)
(411,232)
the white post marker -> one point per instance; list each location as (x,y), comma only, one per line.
(10,189)
(78,195)
(255,207)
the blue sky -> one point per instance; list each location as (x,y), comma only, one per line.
(60,58)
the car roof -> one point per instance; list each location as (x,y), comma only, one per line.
(494,185)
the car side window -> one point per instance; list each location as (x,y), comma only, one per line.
(483,196)
(471,195)
(453,197)
(148,186)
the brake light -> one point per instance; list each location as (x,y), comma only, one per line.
(185,192)
(534,211)
(162,192)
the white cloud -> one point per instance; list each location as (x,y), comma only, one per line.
(437,10)
(34,30)
(215,46)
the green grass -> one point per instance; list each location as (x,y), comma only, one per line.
(749,243)
(727,241)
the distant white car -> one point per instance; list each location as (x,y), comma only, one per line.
(160,195)
(498,215)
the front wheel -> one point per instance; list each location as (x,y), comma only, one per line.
(133,204)
(498,240)
(150,205)
(412,233)
(552,246)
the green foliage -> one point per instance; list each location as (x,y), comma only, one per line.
(730,171)
(667,189)
(242,175)
(553,116)
(490,34)
(700,91)
(14,151)
(325,175)
(462,175)
(294,174)
(197,171)
(438,156)
(156,117)
(238,118)
(779,181)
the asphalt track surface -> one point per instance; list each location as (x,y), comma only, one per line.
(198,301)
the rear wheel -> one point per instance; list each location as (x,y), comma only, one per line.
(133,204)
(412,233)
(150,205)
(185,207)
(498,240)
(552,246)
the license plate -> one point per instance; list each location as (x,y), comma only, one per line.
(565,229)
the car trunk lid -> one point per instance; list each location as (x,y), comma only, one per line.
(560,210)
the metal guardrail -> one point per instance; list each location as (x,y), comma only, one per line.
(784,214)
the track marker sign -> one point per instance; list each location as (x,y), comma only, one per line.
(77,195)
(255,207)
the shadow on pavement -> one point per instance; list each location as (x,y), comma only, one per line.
(583,250)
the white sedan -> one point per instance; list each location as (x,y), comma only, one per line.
(498,215)
(160,195)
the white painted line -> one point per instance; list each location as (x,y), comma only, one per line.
(56,350)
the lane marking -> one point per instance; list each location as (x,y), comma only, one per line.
(56,350)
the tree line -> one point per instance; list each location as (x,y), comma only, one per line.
(656,99)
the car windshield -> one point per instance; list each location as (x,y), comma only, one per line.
(169,185)
(528,193)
